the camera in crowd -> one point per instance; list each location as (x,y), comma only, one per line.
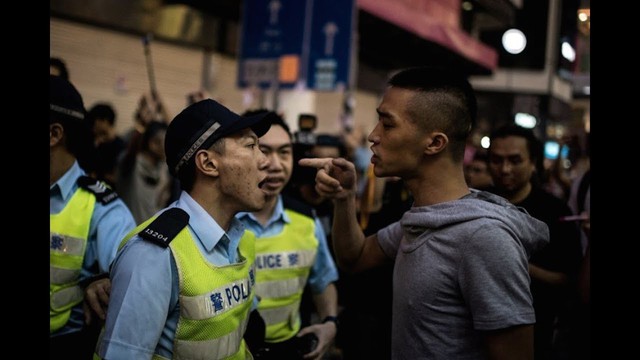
(305,136)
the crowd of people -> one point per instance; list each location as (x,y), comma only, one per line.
(214,235)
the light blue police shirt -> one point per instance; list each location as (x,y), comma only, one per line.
(323,272)
(143,307)
(109,224)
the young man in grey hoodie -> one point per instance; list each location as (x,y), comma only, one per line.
(460,285)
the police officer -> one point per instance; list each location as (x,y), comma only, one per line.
(291,252)
(182,282)
(87,222)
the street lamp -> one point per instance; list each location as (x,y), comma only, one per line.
(514,41)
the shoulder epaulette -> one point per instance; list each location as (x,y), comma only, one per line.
(296,205)
(165,227)
(103,193)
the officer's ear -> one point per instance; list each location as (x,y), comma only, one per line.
(207,162)
(56,133)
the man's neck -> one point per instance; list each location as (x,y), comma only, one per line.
(443,182)
(267,211)
(221,210)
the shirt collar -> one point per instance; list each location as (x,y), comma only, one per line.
(204,227)
(278,214)
(68,182)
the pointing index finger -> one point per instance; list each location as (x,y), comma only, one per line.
(318,163)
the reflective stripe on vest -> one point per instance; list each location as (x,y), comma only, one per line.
(281,288)
(62,298)
(201,307)
(283,263)
(62,276)
(66,245)
(285,259)
(288,314)
(219,348)
(68,234)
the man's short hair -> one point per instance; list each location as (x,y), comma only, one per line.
(534,145)
(449,106)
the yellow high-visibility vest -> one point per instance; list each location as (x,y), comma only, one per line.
(215,301)
(68,235)
(283,263)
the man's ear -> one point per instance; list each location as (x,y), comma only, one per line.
(56,133)
(207,162)
(436,142)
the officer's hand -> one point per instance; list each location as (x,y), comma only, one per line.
(96,299)
(325,332)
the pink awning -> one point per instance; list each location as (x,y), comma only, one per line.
(434,21)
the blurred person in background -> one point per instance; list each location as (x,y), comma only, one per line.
(196,96)
(87,220)
(580,203)
(359,152)
(150,108)
(325,146)
(513,155)
(555,178)
(143,178)
(109,146)
(580,193)
(476,173)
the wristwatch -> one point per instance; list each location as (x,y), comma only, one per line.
(334,319)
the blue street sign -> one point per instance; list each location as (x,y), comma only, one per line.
(286,41)
(270,29)
(331,34)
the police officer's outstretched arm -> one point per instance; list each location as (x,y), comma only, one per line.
(336,179)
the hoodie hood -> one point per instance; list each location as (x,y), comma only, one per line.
(532,233)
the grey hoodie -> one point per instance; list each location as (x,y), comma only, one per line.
(460,266)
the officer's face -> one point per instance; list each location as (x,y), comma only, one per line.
(277,147)
(242,170)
